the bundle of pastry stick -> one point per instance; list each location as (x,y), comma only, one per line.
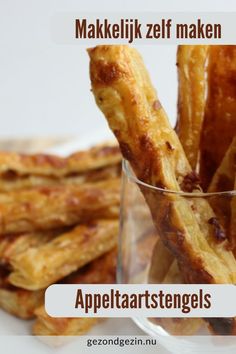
(197,234)
(58,223)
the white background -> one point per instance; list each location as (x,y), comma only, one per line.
(44,87)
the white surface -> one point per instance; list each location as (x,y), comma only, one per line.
(45,88)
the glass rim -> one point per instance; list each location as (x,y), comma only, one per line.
(129,173)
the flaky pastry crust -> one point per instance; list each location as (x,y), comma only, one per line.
(124,93)
(100,271)
(18,165)
(191,63)
(20,302)
(219,126)
(37,268)
(8,184)
(45,208)
(223,179)
(13,244)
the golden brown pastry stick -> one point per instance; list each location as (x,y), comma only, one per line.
(161,261)
(23,303)
(191,63)
(20,302)
(223,180)
(13,244)
(219,125)
(14,164)
(124,93)
(39,267)
(100,271)
(25,182)
(46,208)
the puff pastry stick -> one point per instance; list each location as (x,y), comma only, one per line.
(191,63)
(20,302)
(11,245)
(223,180)
(124,93)
(219,126)
(25,182)
(100,271)
(161,261)
(39,267)
(15,164)
(23,303)
(46,208)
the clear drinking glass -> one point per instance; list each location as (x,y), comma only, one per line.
(143,259)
